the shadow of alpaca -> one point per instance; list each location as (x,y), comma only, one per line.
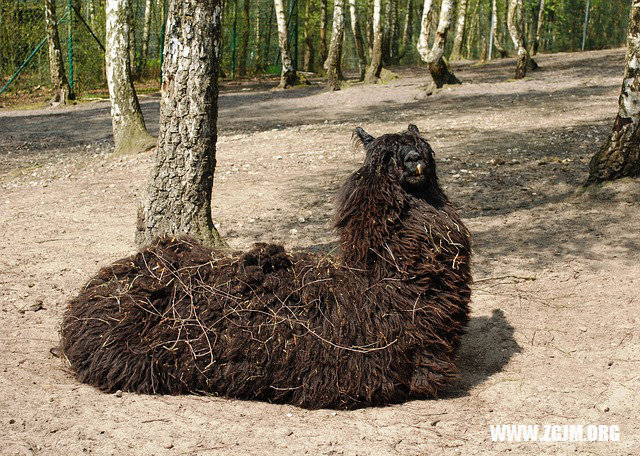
(486,349)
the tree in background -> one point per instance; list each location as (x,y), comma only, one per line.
(288,75)
(146,28)
(332,64)
(357,37)
(244,42)
(514,22)
(619,156)
(129,131)
(456,52)
(61,89)
(497,36)
(538,39)
(434,58)
(375,66)
(178,199)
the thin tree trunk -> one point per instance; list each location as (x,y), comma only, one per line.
(472,28)
(288,76)
(497,36)
(407,30)
(307,36)
(619,156)
(142,63)
(178,198)
(357,37)
(244,42)
(323,32)
(131,22)
(267,46)
(438,67)
(375,67)
(538,39)
(332,64)
(61,90)
(129,132)
(515,30)
(258,56)
(456,53)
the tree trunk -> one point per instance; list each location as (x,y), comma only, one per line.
(515,30)
(619,156)
(332,64)
(142,62)
(425,28)
(497,37)
(265,49)
(538,39)
(438,67)
(244,42)
(61,90)
(131,22)
(407,30)
(375,67)
(178,198)
(307,36)
(456,53)
(129,132)
(288,76)
(357,37)
(323,31)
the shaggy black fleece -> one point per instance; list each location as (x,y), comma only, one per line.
(379,324)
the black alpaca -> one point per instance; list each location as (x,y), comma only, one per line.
(377,325)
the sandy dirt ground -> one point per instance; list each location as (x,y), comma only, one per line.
(556,306)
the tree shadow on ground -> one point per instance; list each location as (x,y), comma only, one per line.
(486,349)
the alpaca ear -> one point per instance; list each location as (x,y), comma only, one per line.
(413,129)
(364,137)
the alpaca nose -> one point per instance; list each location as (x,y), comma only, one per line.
(412,157)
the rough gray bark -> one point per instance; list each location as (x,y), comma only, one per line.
(619,156)
(332,64)
(129,131)
(142,62)
(178,198)
(375,67)
(244,42)
(456,52)
(497,37)
(515,30)
(288,76)
(434,58)
(61,90)
(357,37)
(538,39)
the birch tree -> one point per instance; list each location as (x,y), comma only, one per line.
(407,30)
(514,24)
(375,67)
(434,57)
(497,37)
(307,38)
(61,90)
(426,24)
(456,53)
(178,198)
(129,131)
(619,156)
(332,64)
(288,76)
(538,39)
(146,27)
(357,37)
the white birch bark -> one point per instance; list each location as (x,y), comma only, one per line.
(332,64)
(425,30)
(129,131)
(288,76)
(178,198)
(515,30)
(456,53)
(434,58)
(145,36)
(375,67)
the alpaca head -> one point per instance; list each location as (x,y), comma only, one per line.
(406,158)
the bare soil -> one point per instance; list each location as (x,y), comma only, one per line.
(554,332)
